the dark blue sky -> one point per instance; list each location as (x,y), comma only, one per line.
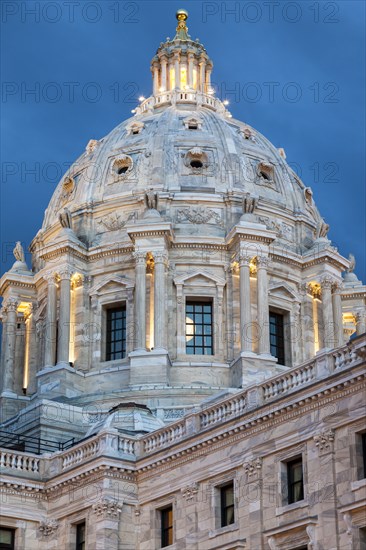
(293,70)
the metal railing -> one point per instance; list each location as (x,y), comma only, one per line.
(31,444)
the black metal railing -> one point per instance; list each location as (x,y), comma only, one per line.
(31,444)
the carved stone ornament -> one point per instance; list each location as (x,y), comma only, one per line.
(48,527)
(322,230)
(19,252)
(347,518)
(114,221)
(189,492)
(324,440)
(310,531)
(250,203)
(107,508)
(68,188)
(272,543)
(11,305)
(151,199)
(352,263)
(65,219)
(252,467)
(92,144)
(198,215)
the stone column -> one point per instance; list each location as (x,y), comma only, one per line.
(156,78)
(208,78)
(51,320)
(160,305)
(31,350)
(202,65)
(3,344)
(262,304)
(306,343)
(360,319)
(64,319)
(245,307)
(11,307)
(140,299)
(327,306)
(163,73)
(337,316)
(190,70)
(177,70)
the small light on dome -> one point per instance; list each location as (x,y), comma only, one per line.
(226,102)
(211,91)
(161,89)
(141,98)
(133,111)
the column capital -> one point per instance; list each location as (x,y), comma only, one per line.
(262,262)
(11,305)
(244,259)
(139,257)
(327,282)
(65,273)
(50,277)
(160,257)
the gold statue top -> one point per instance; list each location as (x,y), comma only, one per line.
(182,29)
(182,15)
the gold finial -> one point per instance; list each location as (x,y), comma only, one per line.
(182,15)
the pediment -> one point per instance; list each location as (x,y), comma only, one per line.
(110,284)
(199,278)
(283,290)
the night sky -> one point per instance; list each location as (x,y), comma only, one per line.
(72,71)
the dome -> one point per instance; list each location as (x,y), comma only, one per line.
(183,144)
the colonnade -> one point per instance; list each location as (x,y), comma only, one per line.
(181,72)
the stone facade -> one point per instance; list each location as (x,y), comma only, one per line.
(181,205)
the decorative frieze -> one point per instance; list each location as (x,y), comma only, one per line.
(198,215)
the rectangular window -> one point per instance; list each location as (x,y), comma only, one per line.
(227,504)
(276,335)
(166,517)
(295,481)
(199,328)
(116,333)
(363,444)
(7,537)
(80,536)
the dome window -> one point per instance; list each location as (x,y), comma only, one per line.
(135,128)
(265,172)
(196,159)
(192,123)
(122,166)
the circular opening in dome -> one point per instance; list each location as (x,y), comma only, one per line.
(196,164)
(264,175)
(122,170)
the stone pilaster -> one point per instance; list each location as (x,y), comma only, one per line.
(327,305)
(160,260)
(262,303)
(337,316)
(360,320)
(105,518)
(245,306)
(51,320)
(30,357)
(306,345)
(64,320)
(10,306)
(140,300)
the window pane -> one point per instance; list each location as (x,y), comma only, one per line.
(198,324)
(116,333)
(6,536)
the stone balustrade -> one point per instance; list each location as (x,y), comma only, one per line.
(113,445)
(180,97)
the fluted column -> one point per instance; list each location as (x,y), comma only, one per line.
(31,350)
(262,304)
(360,319)
(208,78)
(51,320)
(64,319)
(140,298)
(202,65)
(156,78)
(327,306)
(245,307)
(160,260)
(10,306)
(190,70)
(337,316)
(164,62)
(177,70)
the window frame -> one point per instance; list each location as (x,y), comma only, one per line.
(224,507)
(291,482)
(107,342)
(166,532)
(78,543)
(278,315)
(196,303)
(11,546)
